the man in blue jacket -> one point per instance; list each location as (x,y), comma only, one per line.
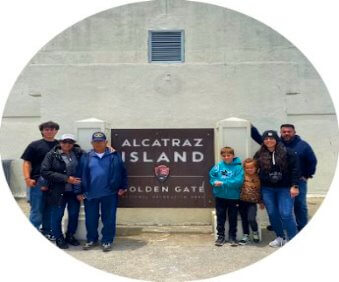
(307,163)
(103,179)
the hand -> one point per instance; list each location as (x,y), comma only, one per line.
(73,180)
(261,206)
(294,191)
(217,183)
(121,192)
(44,188)
(30,182)
(80,197)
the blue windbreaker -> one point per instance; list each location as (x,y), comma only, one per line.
(232,176)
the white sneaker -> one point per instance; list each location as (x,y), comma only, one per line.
(244,240)
(277,242)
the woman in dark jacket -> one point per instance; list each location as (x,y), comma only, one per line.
(279,176)
(59,169)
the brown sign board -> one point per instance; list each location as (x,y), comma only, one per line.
(167,168)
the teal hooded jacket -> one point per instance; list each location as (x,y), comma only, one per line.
(232,177)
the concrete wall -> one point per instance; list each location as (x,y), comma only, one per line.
(234,66)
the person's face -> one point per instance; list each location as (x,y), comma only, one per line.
(49,133)
(227,158)
(270,143)
(99,146)
(287,133)
(66,145)
(250,168)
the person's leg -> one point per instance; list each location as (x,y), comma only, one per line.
(46,215)
(92,219)
(233,218)
(221,216)
(57,213)
(108,217)
(252,216)
(300,206)
(243,210)
(35,200)
(73,208)
(271,204)
(286,204)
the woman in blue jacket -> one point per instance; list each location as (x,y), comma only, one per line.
(227,178)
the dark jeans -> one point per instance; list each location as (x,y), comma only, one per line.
(279,205)
(73,207)
(300,206)
(248,214)
(108,207)
(227,207)
(40,213)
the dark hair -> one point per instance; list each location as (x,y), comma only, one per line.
(49,124)
(265,159)
(287,125)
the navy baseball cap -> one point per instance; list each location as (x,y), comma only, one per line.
(98,136)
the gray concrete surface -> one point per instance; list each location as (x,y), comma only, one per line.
(176,253)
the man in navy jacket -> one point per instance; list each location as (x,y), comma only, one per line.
(103,179)
(307,163)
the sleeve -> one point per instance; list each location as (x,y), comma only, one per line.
(237,180)
(256,136)
(28,154)
(213,174)
(124,182)
(47,172)
(77,188)
(311,161)
(294,168)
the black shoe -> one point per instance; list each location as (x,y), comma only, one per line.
(72,241)
(47,234)
(269,227)
(234,243)
(61,243)
(220,241)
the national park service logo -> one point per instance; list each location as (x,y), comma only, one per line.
(161,172)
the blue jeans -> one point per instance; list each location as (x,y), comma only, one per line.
(279,205)
(40,213)
(73,208)
(108,207)
(300,206)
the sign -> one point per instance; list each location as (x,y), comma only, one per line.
(166,167)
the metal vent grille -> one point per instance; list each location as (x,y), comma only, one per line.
(166,46)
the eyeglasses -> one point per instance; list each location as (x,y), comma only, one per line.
(67,141)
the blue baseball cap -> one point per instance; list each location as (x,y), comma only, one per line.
(98,136)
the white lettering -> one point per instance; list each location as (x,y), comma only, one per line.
(175,142)
(134,157)
(165,140)
(135,144)
(145,158)
(123,156)
(163,157)
(143,142)
(187,143)
(156,143)
(196,158)
(198,142)
(182,157)
(126,143)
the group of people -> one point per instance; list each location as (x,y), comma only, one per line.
(61,174)
(275,178)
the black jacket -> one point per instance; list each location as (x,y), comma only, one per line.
(288,178)
(53,169)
